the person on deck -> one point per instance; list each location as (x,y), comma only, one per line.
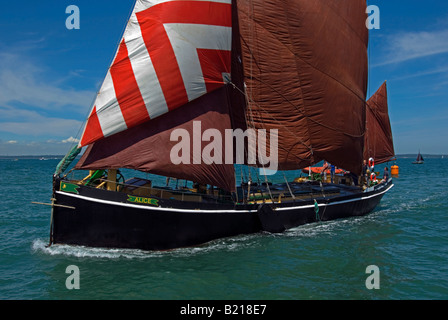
(386,174)
(332,171)
(324,170)
(368,177)
(365,168)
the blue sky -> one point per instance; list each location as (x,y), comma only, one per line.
(49,74)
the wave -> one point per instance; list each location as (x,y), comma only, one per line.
(41,246)
(227,244)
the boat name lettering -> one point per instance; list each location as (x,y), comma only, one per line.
(151,201)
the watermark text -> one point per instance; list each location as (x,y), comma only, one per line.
(73,20)
(217,143)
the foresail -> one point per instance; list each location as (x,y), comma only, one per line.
(171,53)
(153,146)
(378,138)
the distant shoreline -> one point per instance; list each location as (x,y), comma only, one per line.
(425,156)
(48,157)
(44,157)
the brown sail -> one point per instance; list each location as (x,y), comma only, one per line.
(147,147)
(305,68)
(378,139)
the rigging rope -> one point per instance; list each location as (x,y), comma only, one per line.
(289,188)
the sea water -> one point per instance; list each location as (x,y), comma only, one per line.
(405,238)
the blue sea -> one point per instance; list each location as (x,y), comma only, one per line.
(405,239)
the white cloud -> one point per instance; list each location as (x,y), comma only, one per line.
(70,140)
(412,45)
(33,148)
(440,70)
(31,123)
(32,104)
(41,126)
(11,142)
(23,81)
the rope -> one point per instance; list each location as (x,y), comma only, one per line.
(289,188)
(267,185)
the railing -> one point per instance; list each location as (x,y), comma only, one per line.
(147,190)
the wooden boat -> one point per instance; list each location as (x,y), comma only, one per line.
(202,68)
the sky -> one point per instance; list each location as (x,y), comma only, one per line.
(49,75)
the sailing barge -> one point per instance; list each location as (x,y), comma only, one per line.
(298,69)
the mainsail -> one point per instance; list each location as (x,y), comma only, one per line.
(378,139)
(305,67)
(296,66)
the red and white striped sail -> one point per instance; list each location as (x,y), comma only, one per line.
(172,52)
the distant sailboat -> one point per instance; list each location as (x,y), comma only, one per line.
(419,160)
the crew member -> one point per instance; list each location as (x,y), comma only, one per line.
(324,170)
(386,174)
(365,168)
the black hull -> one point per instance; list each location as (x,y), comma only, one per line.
(101,218)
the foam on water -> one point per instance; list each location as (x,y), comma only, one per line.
(228,244)
(41,246)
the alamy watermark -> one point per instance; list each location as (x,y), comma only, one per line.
(373,20)
(373,280)
(73,21)
(212,152)
(73,280)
